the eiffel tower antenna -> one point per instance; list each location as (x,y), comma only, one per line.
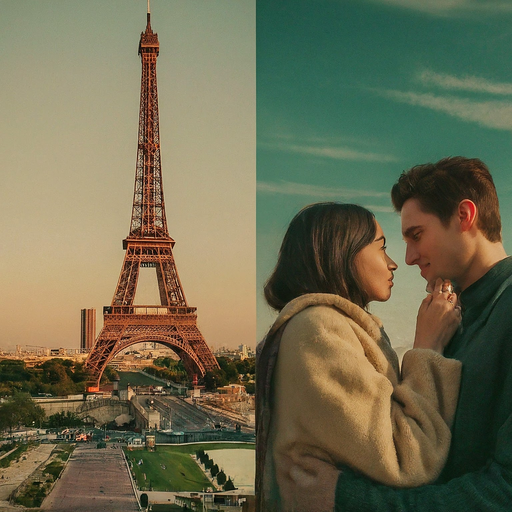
(173,323)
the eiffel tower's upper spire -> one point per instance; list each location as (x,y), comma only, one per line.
(148,213)
(148,26)
(148,39)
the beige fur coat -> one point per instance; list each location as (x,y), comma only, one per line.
(339,397)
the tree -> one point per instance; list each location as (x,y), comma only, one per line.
(20,409)
(64,419)
(221,478)
(214,470)
(165,362)
(80,373)
(38,415)
(173,373)
(230,370)
(229,485)
(12,370)
(109,374)
(214,379)
(56,376)
(10,416)
(246,366)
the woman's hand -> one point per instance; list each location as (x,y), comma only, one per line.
(438,317)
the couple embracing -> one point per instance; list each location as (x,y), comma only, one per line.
(340,424)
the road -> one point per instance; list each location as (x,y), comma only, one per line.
(183,416)
(187,417)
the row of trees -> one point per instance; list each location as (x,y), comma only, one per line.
(57,377)
(21,410)
(231,372)
(61,377)
(168,369)
(64,419)
(204,458)
(18,410)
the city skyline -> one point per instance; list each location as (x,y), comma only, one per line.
(350,94)
(69,140)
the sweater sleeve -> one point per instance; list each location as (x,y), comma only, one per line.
(488,489)
(396,434)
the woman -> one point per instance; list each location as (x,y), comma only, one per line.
(329,386)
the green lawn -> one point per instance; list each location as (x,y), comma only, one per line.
(167,471)
(15,455)
(193,448)
(136,379)
(170,468)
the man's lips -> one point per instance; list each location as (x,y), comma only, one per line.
(423,269)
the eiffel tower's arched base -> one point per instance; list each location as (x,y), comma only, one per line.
(176,330)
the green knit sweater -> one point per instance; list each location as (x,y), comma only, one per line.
(478,473)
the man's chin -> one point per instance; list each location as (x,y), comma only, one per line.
(431,284)
(429,288)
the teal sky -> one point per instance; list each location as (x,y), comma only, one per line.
(352,92)
(69,106)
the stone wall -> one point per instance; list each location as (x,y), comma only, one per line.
(101,410)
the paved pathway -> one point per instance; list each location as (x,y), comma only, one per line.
(14,475)
(93,480)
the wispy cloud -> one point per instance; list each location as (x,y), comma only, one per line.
(379,208)
(332,152)
(318,191)
(492,114)
(451,7)
(466,83)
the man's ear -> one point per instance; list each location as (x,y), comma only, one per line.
(467,212)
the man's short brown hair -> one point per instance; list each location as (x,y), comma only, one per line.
(440,187)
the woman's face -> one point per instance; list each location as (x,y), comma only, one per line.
(375,268)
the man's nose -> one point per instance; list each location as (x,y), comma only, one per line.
(411,255)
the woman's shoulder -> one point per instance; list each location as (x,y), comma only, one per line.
(303,304)
(325,312)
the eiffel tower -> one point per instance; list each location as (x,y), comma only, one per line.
(173,322)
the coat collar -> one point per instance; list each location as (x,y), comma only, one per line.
(370,323)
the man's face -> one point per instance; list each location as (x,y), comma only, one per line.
(431,245)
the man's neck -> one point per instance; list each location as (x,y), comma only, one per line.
(486,257)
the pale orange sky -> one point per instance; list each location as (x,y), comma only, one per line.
(69,117)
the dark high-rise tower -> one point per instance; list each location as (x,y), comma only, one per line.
(173,322)
(87,328)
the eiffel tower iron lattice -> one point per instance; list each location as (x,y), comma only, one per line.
(173,322)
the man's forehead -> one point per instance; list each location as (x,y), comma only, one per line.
(413,217)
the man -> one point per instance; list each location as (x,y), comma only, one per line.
(451,225)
